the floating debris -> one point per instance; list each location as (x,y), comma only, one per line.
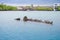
(25,18)
(18,19)
(36,20)
(48,22)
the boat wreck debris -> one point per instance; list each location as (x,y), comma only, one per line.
(36,20)
(18,19)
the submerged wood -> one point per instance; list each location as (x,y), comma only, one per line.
(25,18)
(36,20)
(18,19)
(48,22)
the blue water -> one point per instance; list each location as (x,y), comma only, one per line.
(11,29)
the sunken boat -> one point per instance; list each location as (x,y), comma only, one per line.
(36,20)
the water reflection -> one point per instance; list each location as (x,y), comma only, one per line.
(11,29)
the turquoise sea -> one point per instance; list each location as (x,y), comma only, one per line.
(10,29)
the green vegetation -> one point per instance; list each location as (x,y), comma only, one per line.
(58,8)
(37,8)
(44,8)
(6,8)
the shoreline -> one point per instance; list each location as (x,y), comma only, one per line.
(31,7)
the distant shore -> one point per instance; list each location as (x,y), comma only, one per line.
(31,7)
